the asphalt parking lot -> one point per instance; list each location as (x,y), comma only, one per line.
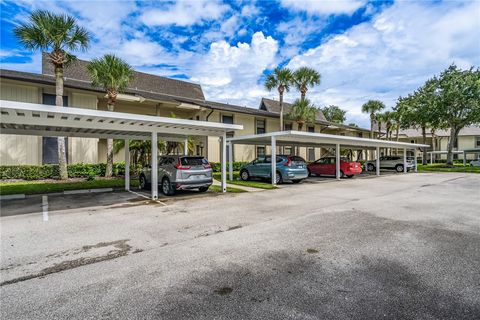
(396,247)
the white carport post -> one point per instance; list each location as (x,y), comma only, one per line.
(274,160)
(185,146)
(416,161)
(431,157)
(127,165)
(230,163)
(337,162)
(377,164)
(404,160)
(464,158)
(154,169)
(224,162)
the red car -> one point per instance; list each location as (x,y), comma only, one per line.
(326,166)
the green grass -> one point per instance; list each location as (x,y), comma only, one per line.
(40,186)
(442,167)
(219,189)
(251,184)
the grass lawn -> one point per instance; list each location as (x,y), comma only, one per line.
(40,186)
(214,188)
(236,176)
(442,167)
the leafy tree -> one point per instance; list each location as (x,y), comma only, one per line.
(281,79)
(302,112)
(59,35)
(113,75)
(305,77)
(372,107)
(457,101)
(334,114)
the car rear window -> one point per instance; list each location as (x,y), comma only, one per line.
(296,159)
(193,161)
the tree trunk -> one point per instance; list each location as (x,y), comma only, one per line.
(424,141)
(453,136)
(372,116)
(300,125)
(280,92)
(379,129)
(434,147)
(62,156)
(109,168)
(303,93)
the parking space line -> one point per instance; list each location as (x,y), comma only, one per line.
(144,196)
(45,208)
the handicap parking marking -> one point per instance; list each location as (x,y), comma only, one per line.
(45,208)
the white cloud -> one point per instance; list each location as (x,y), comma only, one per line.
(184,13)
(324,7)
(231,73)
(393,54)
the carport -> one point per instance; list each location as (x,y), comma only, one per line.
(310,139)
(48,121)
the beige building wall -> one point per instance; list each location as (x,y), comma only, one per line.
(19,149)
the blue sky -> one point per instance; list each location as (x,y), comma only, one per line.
(363,49)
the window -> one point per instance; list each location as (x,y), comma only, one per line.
(228,120)
(50,144)
(360,135)
(311,154)
(260,126)
(260,151)
(287,151)
(287,126)
(477,142)
(311,128)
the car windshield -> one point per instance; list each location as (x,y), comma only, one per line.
(193,161)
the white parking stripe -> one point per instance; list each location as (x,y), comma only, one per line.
(45,208)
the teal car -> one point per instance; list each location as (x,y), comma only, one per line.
(289,168)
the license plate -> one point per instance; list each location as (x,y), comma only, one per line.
(197,177)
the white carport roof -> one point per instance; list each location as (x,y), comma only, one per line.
(46,120)
(300,138)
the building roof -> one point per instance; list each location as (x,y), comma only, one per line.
(141,81)
(473,130)
(274,107)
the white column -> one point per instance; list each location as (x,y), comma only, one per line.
(337,162)
(274,160)
(154,169)
(377,164)
(127,164)
(431,158)
(230,163)
(464,159)
(416,165)
(224,162)
(185,146)
(404,160)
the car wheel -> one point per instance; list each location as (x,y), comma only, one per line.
(278,177)
(342,175)
(244,175)
(167,187)
(399,167)
(203,189)
(350,176)
(144,185)
(297,181)
(370,167)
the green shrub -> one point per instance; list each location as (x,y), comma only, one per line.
(50,171)
(216,166)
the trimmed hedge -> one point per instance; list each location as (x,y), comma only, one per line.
(50,171)
(216,166)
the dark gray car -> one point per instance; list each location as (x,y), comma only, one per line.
(179,173)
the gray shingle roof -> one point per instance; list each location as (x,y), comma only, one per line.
(141,81)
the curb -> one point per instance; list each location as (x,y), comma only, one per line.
(66,192)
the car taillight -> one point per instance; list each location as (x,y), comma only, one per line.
(288,163)
(180,167)
(207,166)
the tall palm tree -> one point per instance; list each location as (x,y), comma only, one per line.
(388,118)
(379,119)
(113,75)
(282,79)
(302,112)
(305,77)
(59,35)
(372,107)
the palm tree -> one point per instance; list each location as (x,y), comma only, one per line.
(388,118)
(282,79)
(59,34)
(379,118)
(113,75)
(302,112)
(372,107)
(305,77)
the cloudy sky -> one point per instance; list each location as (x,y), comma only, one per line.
(363,49)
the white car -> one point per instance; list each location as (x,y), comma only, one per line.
(475,163)
(390,162)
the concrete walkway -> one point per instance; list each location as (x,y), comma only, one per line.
(249,189)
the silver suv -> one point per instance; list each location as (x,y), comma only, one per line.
(179,173)
(390,162)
